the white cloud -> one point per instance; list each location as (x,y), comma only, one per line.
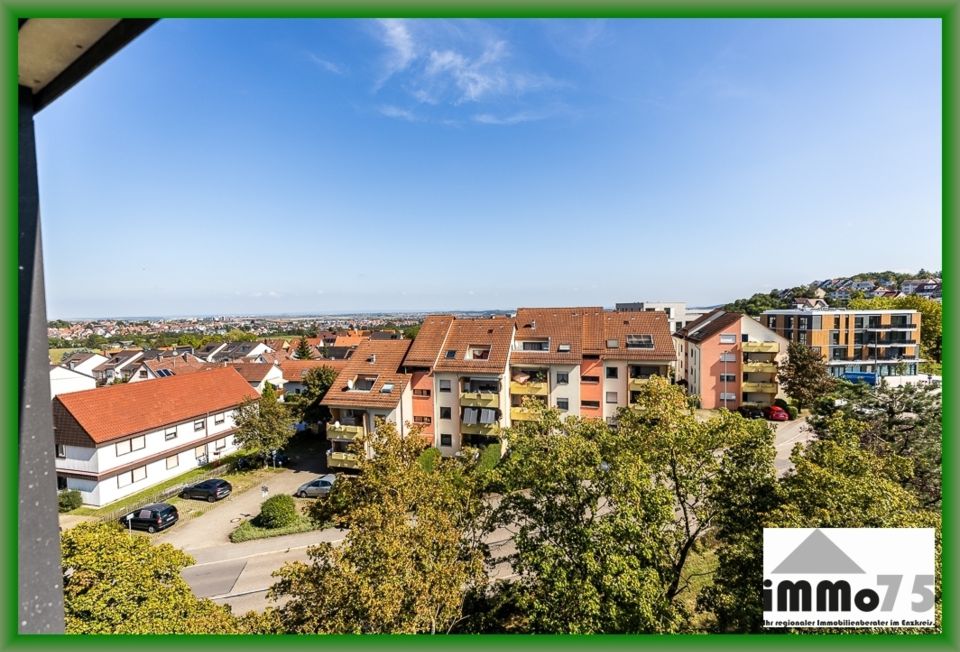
(513,119)
(329,66)
(396,112)
(396,36)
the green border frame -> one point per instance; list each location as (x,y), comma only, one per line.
(946,10)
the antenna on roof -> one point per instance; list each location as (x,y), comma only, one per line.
(350,384)
(533,324)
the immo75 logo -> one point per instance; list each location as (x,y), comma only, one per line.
(868,577)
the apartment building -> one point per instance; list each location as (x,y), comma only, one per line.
(117,440)
(371,386)
(420,361)
(634,346)
(730,360)
(884,342)
(545,359)
(119,367)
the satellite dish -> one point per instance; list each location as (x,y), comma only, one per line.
(336,424)
(349,384)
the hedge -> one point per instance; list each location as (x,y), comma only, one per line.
(277,511)
(69,500)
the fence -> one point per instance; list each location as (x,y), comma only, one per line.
(169,492)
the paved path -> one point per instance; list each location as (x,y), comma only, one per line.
(789,434)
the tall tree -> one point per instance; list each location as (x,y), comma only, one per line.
(804,374)
(316,382)
(304,350)
(408,558)
(120,583)
(263,425)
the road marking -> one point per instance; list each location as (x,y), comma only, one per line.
(227,596)
(259,554)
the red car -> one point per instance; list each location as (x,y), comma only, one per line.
(775,413)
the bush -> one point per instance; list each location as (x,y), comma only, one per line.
(69,500)
(277,511)
(792,411)
(779,402)
(429,458)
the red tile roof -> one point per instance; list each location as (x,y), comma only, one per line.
(426,347)
(252,372)
(559,325)
(116,411)
(380,358)
(177,364)
(495,332)
(619,325)
(293,370)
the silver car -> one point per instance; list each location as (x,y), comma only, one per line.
(319,487)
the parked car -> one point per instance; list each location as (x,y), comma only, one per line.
(319,487)
(152,518)
(210,490)
(261,459)
(776,413)
(750,412)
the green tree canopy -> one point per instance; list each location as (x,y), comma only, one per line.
(804,374)
(263,425)
(304,350)
(119,583)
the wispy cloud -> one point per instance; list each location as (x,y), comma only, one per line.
(391,111)
(324,64)
(442,66)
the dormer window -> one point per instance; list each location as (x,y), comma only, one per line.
(563,348)
(613,344)
(364,383)
(451,354)
(387,388)
(536,345)
(644,341)
(478,352)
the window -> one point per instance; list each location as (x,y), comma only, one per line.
(789,323)
(836,322)
(744,338)
(590,380)
(803,337)
(221,444)
(61,451)
(142,373)
(220,418)
(173,462)
(728,396)
(728,357)
(199,425)
(127,478)
(478,353)
(563,348)
(451,354)
(446,440)
(199,451)
(426,420)
(613,344)
(444,385)
(170,433)
(563,404)
(589,405)
(771,322)
(422,393)
(611,397)
(387,388)
(802,323)
(612,372)
(61,483)
(730,378)
(364,383)
(445,413)
(123,447)
(139,473)
(728,338)
(537,346)
(563,379)
(639,341)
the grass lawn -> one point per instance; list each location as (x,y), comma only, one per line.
(56,355)
(241,480)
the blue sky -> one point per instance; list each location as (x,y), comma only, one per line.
(248,166)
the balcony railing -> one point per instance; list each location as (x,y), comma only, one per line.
(761,347)
(343,460)
(760,367)
(522,414)
(891,327)
(760,388)
(346,433)
(479,399)
(486,429)
(635,384)
(529,389)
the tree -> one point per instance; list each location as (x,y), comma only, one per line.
(120,583)
(411,332)
(756,304)
(905,422)
(316,382)
(263,425)
(804,375)
(410,554)
(304,351)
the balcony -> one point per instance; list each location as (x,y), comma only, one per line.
(634,384)
(760,347)
(342,460)
(529,389)
(760,388)
(345,433)
(760,367)
(485,429)
(522,414)
(891,327)
(479,399)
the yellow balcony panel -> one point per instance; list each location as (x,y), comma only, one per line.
(478,429)
(634,384)
(760,367)
(760,347)
(522,414)
(762,388)
(529,389)
(342,460)
(479,399)
(342,432)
